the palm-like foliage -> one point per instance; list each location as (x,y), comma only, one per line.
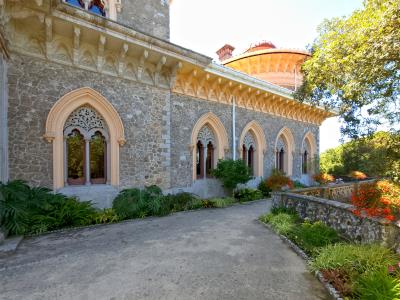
(25,210)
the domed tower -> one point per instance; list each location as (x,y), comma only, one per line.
(267,62)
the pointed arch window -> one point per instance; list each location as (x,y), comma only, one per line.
(75,158)
(281,155)
(249,146)
(205,152)
(86,148)
(305,162)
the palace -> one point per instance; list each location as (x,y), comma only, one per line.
(94,98)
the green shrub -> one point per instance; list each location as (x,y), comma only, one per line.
(377,285)
(232,172)
(196,203)
(179,202)
(207,203)
(354,258)
(25,210)
(283,209)
(222,202)
(264,189)
(298,185)
(311,237)
(136,203)
(107,215)
(245,195)
(282,223)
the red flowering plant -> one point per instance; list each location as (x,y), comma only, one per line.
(323,178)
(378,199)
(278,181)
(357,175)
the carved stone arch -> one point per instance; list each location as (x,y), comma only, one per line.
(59,114)
(286,135)
(221,137)
(261,145)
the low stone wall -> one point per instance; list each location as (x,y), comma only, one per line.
(338,192)
(340,217)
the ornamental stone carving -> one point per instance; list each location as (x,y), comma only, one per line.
(85,118)
(206,135)
(281,144)
(248,141)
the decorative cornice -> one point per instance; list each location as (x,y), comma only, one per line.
(74,37)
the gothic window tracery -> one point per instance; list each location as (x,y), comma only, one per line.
(249,146)
(205,152)
(86,138)
(281,154)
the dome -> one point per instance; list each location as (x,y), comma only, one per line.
(260,46)
(267,62)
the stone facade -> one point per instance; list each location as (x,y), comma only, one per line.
(35,85)
(340,217)
(187,110)
(152,93)
(149,17)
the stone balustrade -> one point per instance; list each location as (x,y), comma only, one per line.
(339,216)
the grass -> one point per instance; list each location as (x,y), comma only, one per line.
(356,258)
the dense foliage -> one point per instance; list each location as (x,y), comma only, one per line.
(378,199)
(377,155)
(357,271)
(278,181)
(25,210)
(264,189)
(232,172)
(308,236)
(355,67)
(245,195)
(141,203)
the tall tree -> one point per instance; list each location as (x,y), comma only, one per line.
(355,67)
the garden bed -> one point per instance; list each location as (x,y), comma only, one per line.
(31,211)
(355,271)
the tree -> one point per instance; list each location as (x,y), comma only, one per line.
(355,67)
(377,155)
(232,172)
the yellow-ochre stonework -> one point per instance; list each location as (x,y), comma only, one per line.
(163,114)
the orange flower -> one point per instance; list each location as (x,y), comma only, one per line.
(390,217)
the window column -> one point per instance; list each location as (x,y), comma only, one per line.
(87,161)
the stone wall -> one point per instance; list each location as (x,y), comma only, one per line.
(158,124)
(338,192)
(340,217)
(271,126)
(185,111)
(147,16)
(3,121)
(35,85)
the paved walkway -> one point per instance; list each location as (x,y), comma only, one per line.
(206,254)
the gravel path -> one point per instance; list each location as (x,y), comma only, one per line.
(205,254)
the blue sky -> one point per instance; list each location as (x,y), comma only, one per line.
(205,26)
